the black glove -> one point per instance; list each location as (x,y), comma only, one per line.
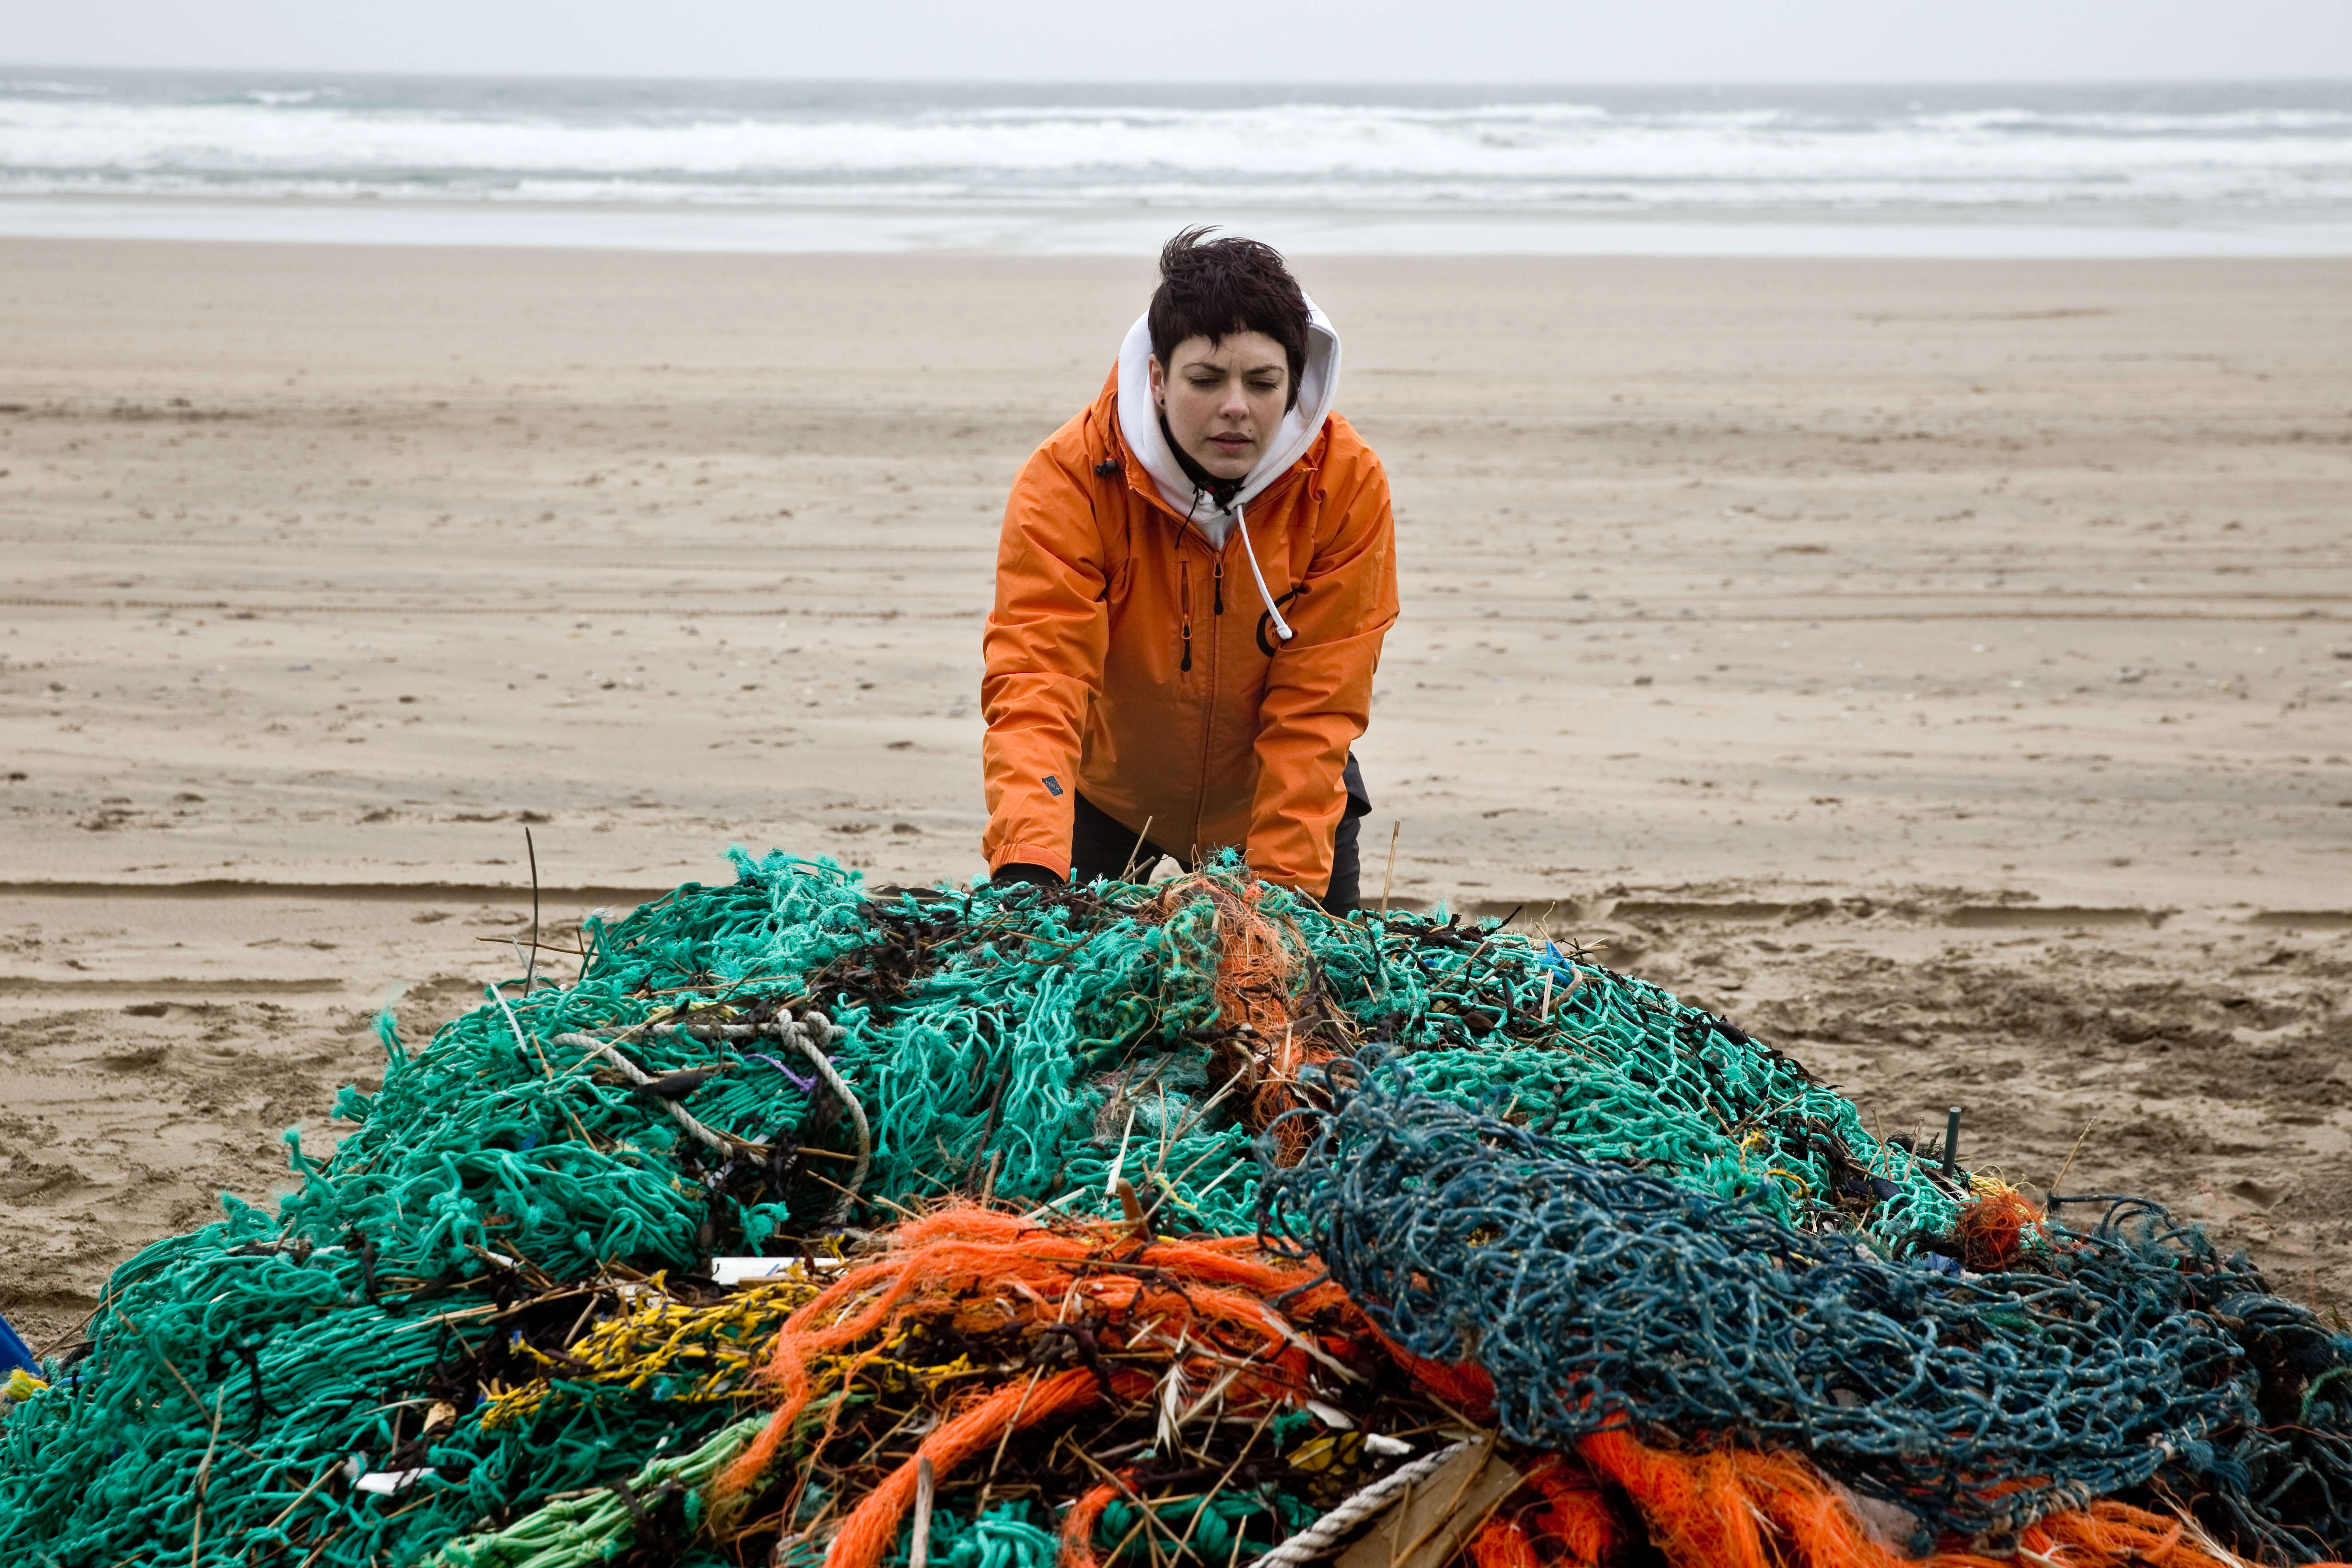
(1013,871)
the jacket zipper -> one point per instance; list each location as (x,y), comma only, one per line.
(1184,603)
(1208,708)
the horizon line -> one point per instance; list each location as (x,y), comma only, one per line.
(851,79)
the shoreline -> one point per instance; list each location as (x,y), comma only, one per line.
(685,228)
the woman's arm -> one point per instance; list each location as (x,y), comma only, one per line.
(1042,655)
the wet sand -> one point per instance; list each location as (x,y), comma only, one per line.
(1943,668)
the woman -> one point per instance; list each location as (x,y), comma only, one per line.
(1193,582)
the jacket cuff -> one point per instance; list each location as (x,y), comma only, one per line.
(1056,860)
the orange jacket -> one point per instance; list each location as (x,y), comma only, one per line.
(1130,658)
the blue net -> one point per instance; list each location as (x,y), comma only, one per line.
(1597,1296)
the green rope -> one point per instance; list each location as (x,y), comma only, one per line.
(602,1524)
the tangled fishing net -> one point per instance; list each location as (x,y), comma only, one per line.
(1134,1225)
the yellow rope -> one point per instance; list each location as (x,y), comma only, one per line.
(715,1347)
(713,1351)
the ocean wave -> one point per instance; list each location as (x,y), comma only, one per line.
(52,89)
(1596,198)
(291,98)
(576,143)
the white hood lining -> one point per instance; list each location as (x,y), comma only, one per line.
(1138,422)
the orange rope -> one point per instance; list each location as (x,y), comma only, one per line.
(1571,1524)
(1078,1529)
(1693,1505)
(984,1270)
(1501,1543)
(1992,1228)
(1740,1509)
(869,1532)
(1256,986)
(1577,1515)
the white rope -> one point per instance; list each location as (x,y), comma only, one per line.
(814,1023)
(637,1075)
(1332,1528)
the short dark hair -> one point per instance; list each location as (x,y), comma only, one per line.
(1209,288)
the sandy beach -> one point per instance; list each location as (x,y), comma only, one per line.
(1943,669)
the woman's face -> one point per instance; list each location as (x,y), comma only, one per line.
(1224,401)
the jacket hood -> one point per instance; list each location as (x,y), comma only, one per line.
(1139,424)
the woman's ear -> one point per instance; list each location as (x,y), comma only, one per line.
(1159,382)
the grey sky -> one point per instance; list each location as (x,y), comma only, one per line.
(1285,40)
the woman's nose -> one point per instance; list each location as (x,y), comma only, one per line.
(1236,402)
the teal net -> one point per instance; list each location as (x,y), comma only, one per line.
(779,1064)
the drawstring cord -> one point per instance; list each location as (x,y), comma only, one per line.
(1281,627)
(1240,525)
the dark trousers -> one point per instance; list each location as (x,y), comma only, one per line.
(1101,846)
